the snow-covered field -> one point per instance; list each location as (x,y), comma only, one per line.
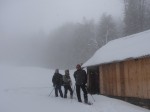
(26,89)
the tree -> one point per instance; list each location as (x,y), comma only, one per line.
(147,15)
(72,43)
(106,30)
(136,16)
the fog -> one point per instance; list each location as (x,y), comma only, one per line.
(27,26)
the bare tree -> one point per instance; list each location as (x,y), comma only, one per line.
(106,30)
(135,16)
(72,43)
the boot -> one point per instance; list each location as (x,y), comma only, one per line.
(85,100)
(65,96)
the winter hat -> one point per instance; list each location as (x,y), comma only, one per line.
(78,66)
(57,71)
(67,72)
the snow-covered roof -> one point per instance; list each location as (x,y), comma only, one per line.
(132,46)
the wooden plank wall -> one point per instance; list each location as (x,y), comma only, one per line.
(127,79)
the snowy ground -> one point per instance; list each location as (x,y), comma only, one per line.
(26,89)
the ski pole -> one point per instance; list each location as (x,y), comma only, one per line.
(92,97)
(51,91)
(90,94)
(74,88)
(73,92)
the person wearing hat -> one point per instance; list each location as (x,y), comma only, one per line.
(67,84)
(57,82)
(81,80)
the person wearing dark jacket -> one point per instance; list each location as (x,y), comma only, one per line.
(57,82)
(81,80)
(67,84)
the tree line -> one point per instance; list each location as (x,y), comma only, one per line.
(74,43)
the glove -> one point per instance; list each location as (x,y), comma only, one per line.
(84,83)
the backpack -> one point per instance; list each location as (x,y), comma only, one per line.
(58,79)
(66,79)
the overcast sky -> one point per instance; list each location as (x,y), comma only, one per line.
(22,16)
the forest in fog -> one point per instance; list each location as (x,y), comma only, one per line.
(71,42)
(77,42)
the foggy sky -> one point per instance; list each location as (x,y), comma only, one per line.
(24,23)
(21,16)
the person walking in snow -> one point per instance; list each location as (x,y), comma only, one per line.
(67,84)
(57,82)
(81,80)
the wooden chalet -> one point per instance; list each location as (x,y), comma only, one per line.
(121,69)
